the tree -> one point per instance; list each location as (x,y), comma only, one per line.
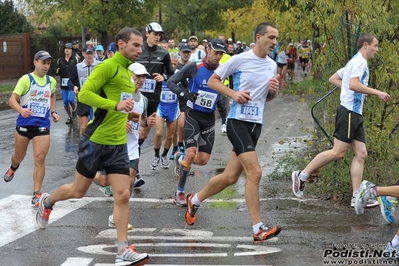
(11,21)
(193,16)
(102,16)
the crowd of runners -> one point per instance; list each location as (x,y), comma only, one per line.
(140,82)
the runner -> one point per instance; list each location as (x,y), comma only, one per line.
(349,130)
(109,91)
(168,111)
(255,75)
(199,126)
(34,99)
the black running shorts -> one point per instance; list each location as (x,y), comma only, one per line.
(199,130)
(32,131)
(243,135)
(349,126)
(93,157)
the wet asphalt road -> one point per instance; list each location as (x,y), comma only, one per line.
(79,235)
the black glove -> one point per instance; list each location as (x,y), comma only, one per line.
(190,96)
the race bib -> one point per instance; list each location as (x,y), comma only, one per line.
(135,126)
(38,109)
(64,82)
(168,97)
(149,86)
(126,96)
(251,111)
(206,99)
(82,81)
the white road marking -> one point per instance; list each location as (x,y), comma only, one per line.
(77,261)
(182,235)
(18,219)
(256,250)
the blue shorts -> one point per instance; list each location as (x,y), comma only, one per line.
(169,112)
(68,96)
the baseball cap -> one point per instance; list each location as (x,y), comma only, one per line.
(68,45)
(291,44)
(42,55)
(153,26)
(99,48)
(88,49)
(204,40)
(244,42)
(184,47)
(238,42)
(75,42)
(111,47)
(217,45)
(229,39)
(138,69)
(193,37)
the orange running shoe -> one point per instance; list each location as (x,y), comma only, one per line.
(36,199)
(9,175)
(191,210)
(266,233)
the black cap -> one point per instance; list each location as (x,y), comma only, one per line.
(42,55)
(217,45)
(88,49)
(68,45)
(184,47)
(75,42)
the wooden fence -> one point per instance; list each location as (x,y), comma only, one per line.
(15,55)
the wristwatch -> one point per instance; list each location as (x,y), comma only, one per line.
(54,112)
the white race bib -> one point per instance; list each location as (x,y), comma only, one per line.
(82,81)
(64,82)
(251,111)
(149,86)
(38,109)
(168,97)
(206,99)
(126,96)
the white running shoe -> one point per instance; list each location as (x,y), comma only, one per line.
(363,197)
(112,224)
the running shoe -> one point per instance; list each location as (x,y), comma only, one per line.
(180,199)
(177,164)
(266,233)
(43,214)
(107,190)
(182,150)
(69,120)
(35,200)
(164,162)
(297,184)
(131,257)
(74,116)
(393,251)
(370,204)
(363,196)
(112,224)
(9,175)
(223,129)
(172,155)
(139,181)
(387,209)
(191,213)
(155,162)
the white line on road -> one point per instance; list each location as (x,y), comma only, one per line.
(77,261)
(18,218)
